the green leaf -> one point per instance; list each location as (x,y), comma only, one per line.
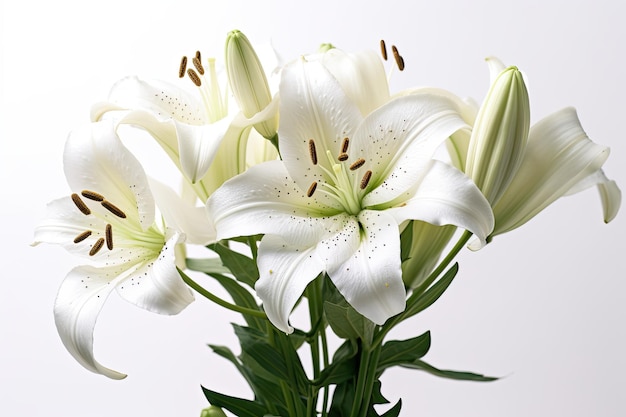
(337,372)
(241,297)
(347,323)
(406,240)
(433,293)
(458,375)
(271,361)
(399,352)
(237,406)
(394,411)
(343,397)
(243,268)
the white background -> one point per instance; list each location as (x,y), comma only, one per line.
(543,306)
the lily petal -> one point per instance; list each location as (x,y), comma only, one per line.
(314,107)
(558,155)
(355,70)
(95,159)
(156,285)
(610,194)
(183,215)
(446,196)
(79,301)
(371,279)
(285,271)
(197,146)
(164,100)
(399,139)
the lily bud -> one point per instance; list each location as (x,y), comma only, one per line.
(212,411)
(500,134)
(248,82)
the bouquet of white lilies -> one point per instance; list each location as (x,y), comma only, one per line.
(308,185)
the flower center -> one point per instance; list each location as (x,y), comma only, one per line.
(125,231)
(342,184)
(215,103)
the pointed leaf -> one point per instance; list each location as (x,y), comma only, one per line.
(399,352)
(394,411)
(241,297)
(243,268)
(425,300)
(238,406)
(458,375)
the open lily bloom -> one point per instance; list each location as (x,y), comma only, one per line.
(109,219)
(344,186)
(190,128)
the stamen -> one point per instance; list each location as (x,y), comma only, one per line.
(81,206)
(96,247)
(311,190)
(366,179)
(397,57)
(344,145)
(194,77)
(198,65)
(357,164)
(312,151)
(113,209)
(183,67)
(92,195)
(198,56)
(383,49)
(82,236)
(342,157)
(108,233)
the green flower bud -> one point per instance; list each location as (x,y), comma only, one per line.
(248,82)
(499,135)
(212,411)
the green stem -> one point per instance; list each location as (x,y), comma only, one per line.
(207,294)
(364,363)
(326,362)
(370,379)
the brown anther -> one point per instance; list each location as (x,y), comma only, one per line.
(92,195)
(383,49)
(108,234)
(183,67)
(198,65)
(198,56)
(194,77)
(312,151)
(344,145)
(80,204)
(82,236)
(96,247)
(311,189)
(397,57)
(113,209)
(366,179)
(357,164)
(342,157)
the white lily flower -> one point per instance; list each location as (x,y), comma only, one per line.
(109,219)
(190,128)
(345,184)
